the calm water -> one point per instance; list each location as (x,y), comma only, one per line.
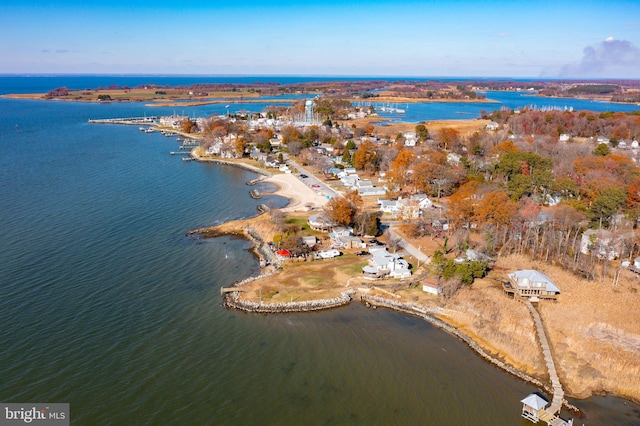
(105,303)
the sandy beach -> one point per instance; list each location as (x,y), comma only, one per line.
(302,197)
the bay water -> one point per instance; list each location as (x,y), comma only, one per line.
(107,304)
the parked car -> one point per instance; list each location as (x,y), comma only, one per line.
(303,176)
(375,242)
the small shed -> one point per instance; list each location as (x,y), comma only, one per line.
(310,241)
(432,288)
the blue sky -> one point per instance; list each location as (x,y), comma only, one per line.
(555,39)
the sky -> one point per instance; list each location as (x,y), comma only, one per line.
(390,38)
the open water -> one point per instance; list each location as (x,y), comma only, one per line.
(106,304)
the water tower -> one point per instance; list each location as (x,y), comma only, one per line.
(308,112)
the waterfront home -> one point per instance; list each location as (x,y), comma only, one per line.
(530,284)
(384,263)
(320,222)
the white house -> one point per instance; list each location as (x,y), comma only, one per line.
(423,201)
(453,158)
(350,181)
(320,222)
(600,242)
(493,126)
(410,139)
(384,263)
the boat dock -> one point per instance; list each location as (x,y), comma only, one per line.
(137,121)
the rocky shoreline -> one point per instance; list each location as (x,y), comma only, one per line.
(268,258)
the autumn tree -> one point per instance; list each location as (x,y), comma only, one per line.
(400,167)
(496,208)
(365,157)
(448,138)
(343,210)
(462,202)
(187,126)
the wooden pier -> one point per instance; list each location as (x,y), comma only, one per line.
(538,411)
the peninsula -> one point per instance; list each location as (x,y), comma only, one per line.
(453,208)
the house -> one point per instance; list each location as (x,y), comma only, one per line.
(601,242)
(408,208)
(348,242)
(371,191)
(389,206)
(493,126)
(410,139)
(453,158)
(530,284)
(384,263)
(423,201)
(350,180)
(320,222)
(564,137)
(602,139)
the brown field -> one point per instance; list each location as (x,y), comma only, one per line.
(593,329)
(139,95)
(465,127)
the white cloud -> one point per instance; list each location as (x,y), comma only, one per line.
(611,58)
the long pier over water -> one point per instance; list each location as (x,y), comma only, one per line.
(550,415)
(128,120)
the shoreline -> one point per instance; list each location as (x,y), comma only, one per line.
(270,267)
(261,252)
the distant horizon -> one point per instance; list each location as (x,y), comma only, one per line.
(329,76)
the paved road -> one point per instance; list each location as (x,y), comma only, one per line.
(311,179)
(410,248)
